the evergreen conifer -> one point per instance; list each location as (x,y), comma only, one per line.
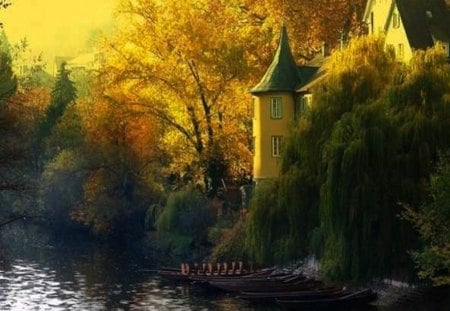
(63,93)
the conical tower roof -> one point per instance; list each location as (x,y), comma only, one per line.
(282,75)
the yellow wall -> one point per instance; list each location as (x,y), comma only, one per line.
(393,36)
(380,10)
(396,36)
(264,127)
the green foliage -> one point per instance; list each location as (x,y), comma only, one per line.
(368,142)
(8,81)
(186,213)
(379,153)
(271,236)
(432,221)
(61,187)
(152,215)
(357,216)
(16,177)
(63,93)
(68,133)
(35,75)
(177,246)
(183,225)
(231,244)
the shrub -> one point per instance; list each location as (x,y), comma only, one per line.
(231,245)
(186,213)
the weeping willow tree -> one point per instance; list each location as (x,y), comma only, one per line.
(380,153)
(369,141)
(285,215)
(281,219)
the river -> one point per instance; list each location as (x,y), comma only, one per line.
(36,275)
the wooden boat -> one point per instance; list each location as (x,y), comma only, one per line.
(355,298)
(207,272)
(320,293)
(263,275)
(265,285)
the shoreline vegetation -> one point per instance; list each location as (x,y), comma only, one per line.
(155,145)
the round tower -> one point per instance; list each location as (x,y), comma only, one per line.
(274,108)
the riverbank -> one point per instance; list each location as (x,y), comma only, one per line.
(82,275)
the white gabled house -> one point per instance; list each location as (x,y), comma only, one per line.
(409,25)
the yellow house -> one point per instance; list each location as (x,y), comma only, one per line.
(276,102)
(409,25)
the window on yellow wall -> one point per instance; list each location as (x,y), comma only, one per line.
(390,48)
(277,142)
(395,20)
(302,105)
(400,51)
(276,109)
(372,26)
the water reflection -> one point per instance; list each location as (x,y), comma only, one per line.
(37,275)
(28,285)
(46,277)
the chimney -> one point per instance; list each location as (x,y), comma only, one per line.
(325,49)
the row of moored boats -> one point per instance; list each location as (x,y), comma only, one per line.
(262,285)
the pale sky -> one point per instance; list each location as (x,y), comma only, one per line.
(56,27)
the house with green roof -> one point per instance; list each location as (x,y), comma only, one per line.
(281,95)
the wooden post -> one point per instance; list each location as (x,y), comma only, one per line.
(209,268)
(218,266)
(195,271)
(240,267)
(233,267)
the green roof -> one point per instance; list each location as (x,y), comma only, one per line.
(282,75)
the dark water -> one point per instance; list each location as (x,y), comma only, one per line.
(35,275)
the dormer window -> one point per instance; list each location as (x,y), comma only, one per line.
(395,20)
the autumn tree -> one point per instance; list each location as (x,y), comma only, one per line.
(172,60)
(103,174)
(310,22)
(122,153)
